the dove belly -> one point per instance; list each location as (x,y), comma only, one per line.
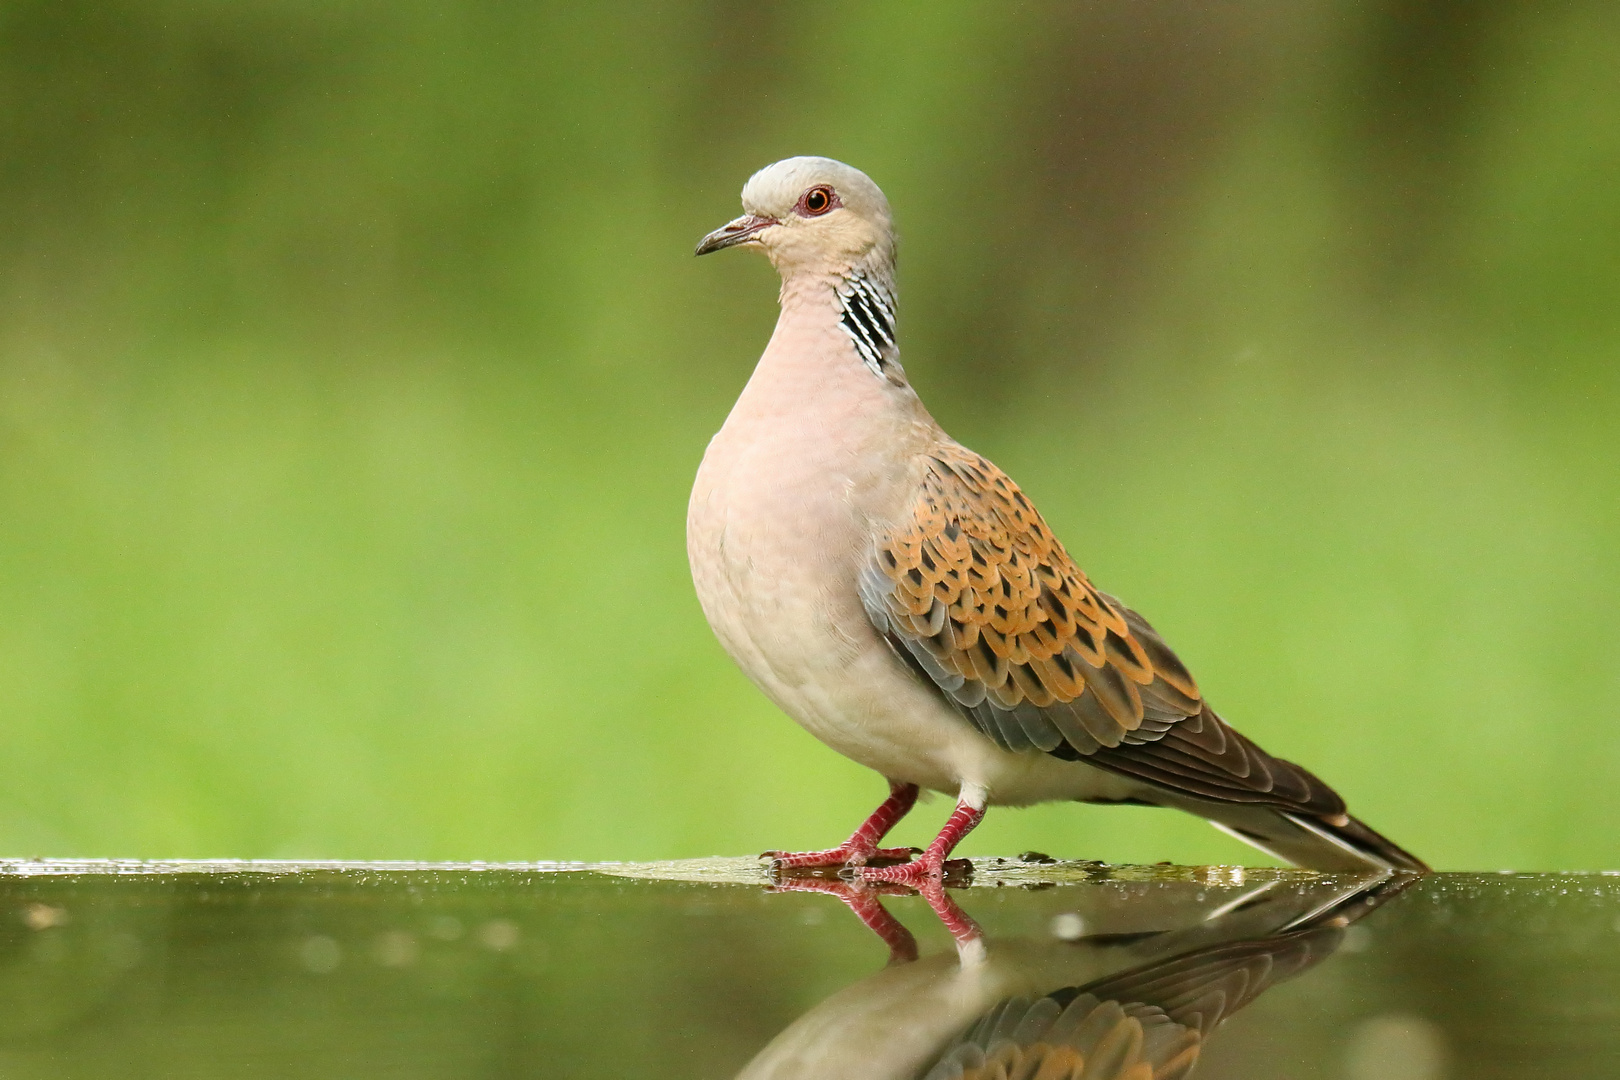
(876,711)
(812,651)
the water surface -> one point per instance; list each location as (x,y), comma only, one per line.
(704,970)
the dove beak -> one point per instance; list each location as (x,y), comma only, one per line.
(741,231)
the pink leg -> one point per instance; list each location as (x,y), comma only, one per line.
(931,863)
(864,844)
(863,901)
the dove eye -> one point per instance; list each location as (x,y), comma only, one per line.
(817,201)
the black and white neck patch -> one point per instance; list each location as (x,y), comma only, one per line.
(868,319)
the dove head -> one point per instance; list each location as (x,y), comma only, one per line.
(812,215)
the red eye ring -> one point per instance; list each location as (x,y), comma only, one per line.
(817,201)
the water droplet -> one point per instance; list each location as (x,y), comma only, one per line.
(44,916)
(1396,1047)
(395,948)
(499,934)
(320,954)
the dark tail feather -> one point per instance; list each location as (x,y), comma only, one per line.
(1312,842)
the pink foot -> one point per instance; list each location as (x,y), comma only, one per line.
(845,854)
(930,866)
(914,873)
(861,848)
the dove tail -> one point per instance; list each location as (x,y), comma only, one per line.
(1313,842)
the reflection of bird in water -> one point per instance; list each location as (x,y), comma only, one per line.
(1137,1005)
(899,596)
(1148,1024)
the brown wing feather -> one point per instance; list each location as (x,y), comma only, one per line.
(976,591)
(1078,1037)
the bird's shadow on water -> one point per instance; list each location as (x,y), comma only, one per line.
(1127,989)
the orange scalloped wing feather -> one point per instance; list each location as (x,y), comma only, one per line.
(976,592)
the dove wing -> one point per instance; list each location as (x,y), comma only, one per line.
(974,591)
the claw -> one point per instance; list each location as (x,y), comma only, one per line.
(842,855)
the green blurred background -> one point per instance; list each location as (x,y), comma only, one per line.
(354,368)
